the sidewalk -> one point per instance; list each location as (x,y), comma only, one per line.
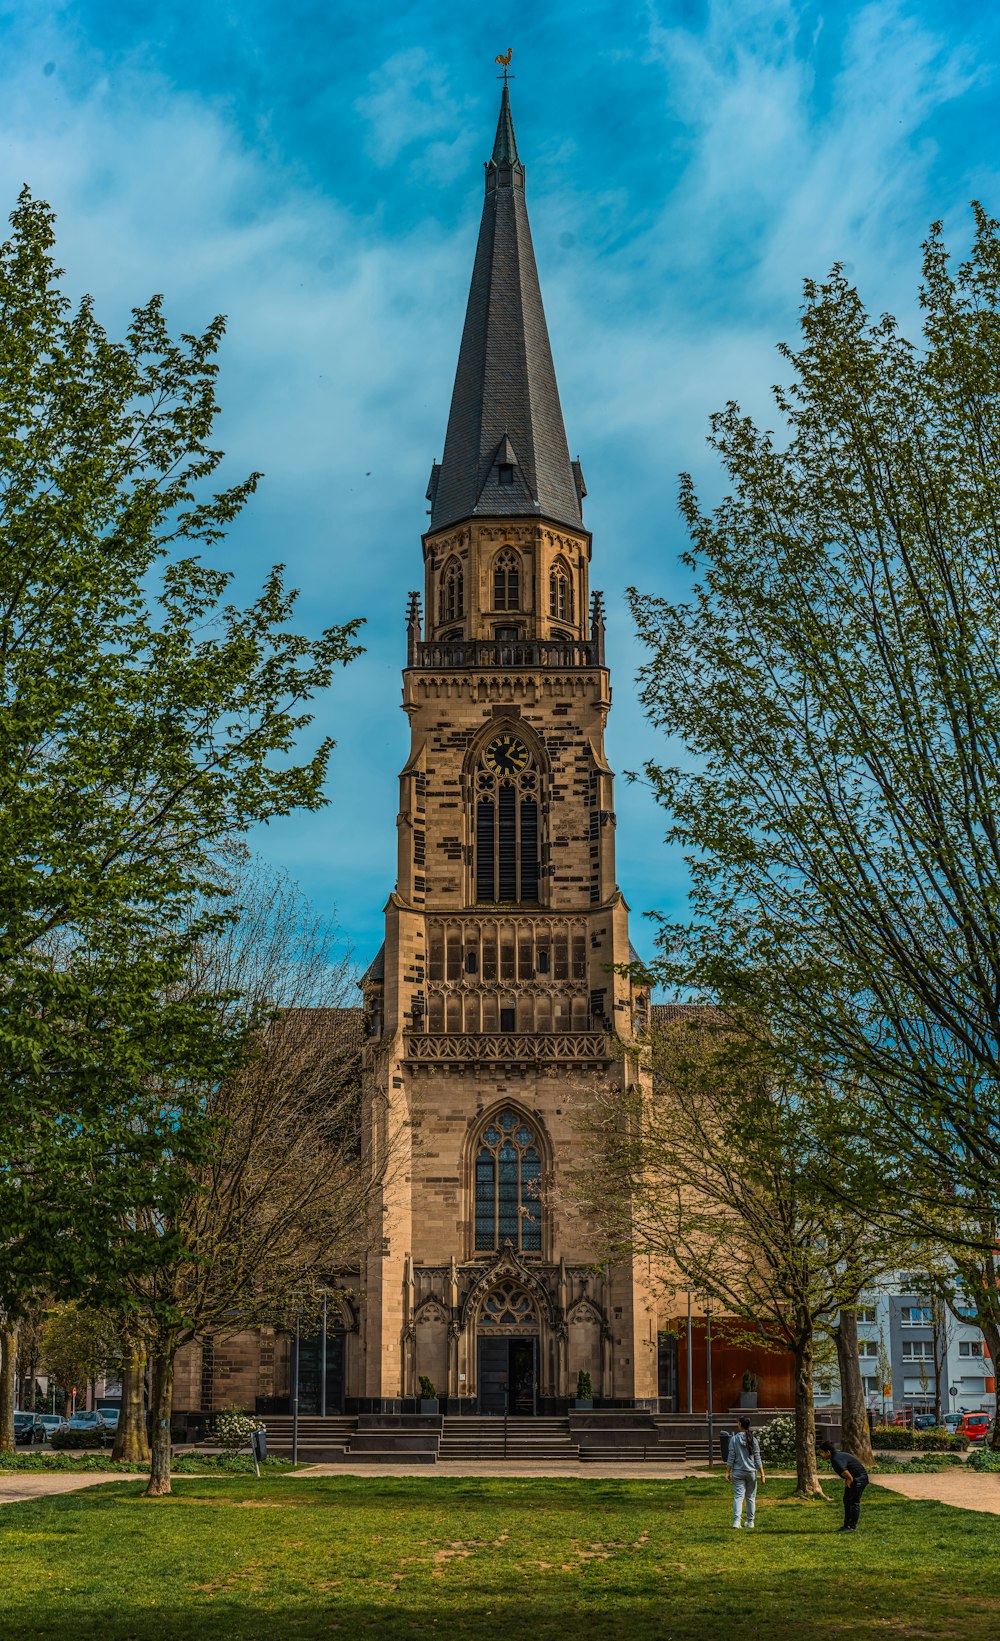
(968,1492)
(34,1484)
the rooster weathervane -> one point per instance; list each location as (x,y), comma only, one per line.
(503,61)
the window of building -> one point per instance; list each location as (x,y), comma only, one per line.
(452,596)
(867,1347)
(560,592)
(970,1347)
(918,1350)
(505,473)
(507,581)
(866,1313)
(508,1172)
(915,1316)
(506,828)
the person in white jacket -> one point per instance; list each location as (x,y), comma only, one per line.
(743,1466)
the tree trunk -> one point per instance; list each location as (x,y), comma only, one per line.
(163,1401)
(806,1477)
(856,1437)
(8,1384)
(990,1329)
(131,1440)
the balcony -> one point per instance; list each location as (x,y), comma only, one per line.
(505,654)
(583,1048)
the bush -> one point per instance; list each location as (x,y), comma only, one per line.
(427,1390)
(777,1440)
(584,1386)
(940,1441)
(230,1464)
(984,1458)
(894,1435)
(233,1429)
(42,1463)
(75,1438)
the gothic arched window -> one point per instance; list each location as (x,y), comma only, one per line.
(506,581)
(506,823)
(508,1171)
(561,592)
(451,603)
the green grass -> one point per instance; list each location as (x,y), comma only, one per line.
(408,1560)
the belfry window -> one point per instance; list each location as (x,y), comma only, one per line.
(506,823)
(560,592)
(507,581)
(508,1173)
(451,603)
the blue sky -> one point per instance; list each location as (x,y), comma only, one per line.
(315,172)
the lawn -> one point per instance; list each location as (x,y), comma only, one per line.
(407,1560)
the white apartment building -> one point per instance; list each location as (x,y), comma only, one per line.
(905,1341)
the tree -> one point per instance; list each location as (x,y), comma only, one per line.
(145,722)
(835,679)
(282,1200)
(711,1177)
(77,1346)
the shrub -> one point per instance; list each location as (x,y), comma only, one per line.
(428,1391)
(750,1380)
(229,1464)
(233,1429)
(984,1458)
(42,1463)
(584,1387)
(940,1441)
(777,1440)
(893,1435)
(75,1438)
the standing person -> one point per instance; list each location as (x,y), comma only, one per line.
(743,1465)
(855,1478)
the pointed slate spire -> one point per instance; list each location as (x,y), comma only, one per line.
(505,145)
(505,450)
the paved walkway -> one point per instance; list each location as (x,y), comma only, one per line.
(33,1484)
(969,1491)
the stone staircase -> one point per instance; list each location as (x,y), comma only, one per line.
(321,1441)
(515,1440)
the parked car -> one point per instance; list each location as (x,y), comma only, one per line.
(975,1425)
(111,1416)
(28,1428)
(924,1421)
(951,1421)
(92,1421)
(52,1423)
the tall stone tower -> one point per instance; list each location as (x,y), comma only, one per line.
(496,997)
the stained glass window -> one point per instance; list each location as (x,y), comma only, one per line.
(508,1179)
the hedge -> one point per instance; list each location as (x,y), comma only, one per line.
(75,1438)
(932,1441)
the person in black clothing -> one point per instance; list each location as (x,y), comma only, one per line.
(855,1479)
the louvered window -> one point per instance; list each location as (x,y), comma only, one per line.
(507,847)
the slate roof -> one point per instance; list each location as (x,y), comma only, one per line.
(505,402)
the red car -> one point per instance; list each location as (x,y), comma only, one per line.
(975,1426)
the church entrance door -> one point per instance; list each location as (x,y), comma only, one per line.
(508,1375)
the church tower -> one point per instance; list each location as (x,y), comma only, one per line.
(497,997)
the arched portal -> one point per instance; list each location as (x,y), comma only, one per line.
(507,1350)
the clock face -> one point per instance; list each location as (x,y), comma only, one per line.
(506,755)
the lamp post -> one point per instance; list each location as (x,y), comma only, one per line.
(322,1364)
(708,1378)
(295,1378)
(690,1362)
